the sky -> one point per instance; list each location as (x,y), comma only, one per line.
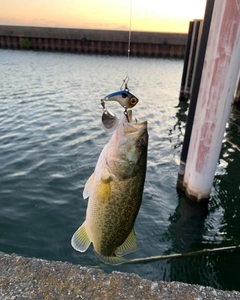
(140,15)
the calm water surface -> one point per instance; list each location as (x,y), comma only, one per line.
(50,140)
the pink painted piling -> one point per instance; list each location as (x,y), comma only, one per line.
(218,83)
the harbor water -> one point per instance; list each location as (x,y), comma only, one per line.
(51,137)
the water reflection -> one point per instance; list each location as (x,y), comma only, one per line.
(227,183)
(181,116)
(212,224)
(187,223)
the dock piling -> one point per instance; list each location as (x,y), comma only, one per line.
(216,91)
(186,61)
(190,58)
(195,89)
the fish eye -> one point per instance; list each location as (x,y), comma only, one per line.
(133,101)
(140,143)
(124,95)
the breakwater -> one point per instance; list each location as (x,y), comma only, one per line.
(111,42)
(32,278)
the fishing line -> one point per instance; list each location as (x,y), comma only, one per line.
(180,255)
(124,85)
(129,38)
(233,145)
(123,97)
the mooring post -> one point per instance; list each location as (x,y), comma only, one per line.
(195,89)
(218,83)
(186,62)
(192,57)
(196,56)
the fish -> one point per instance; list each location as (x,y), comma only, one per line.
(115,194)
(124,98)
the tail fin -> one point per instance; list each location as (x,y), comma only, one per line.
(112,260)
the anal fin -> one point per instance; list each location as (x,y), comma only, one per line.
(80,240)
(129,245)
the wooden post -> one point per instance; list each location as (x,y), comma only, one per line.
(192,57)
(196,58)
(218,82)
(186,61)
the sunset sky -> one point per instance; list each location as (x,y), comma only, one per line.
(147,15)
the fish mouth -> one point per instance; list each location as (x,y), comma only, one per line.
(133,128)
(129,118)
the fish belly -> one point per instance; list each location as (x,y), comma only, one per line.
(110,220)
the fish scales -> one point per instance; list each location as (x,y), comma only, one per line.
(119,214)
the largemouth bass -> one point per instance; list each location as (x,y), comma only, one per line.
(115,194)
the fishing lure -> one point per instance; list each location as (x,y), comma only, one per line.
(124,98)
(109,119)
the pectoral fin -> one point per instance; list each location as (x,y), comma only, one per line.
(88,186)
(105,174)
(129,245)
(105,178)
(80,240)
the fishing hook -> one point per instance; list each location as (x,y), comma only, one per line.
(126,113)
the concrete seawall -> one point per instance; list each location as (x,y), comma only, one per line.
(153,44)
(32,278)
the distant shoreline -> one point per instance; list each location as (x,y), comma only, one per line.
(95,41)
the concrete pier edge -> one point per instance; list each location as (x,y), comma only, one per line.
(33,278)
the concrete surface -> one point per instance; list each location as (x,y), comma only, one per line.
(31,278)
